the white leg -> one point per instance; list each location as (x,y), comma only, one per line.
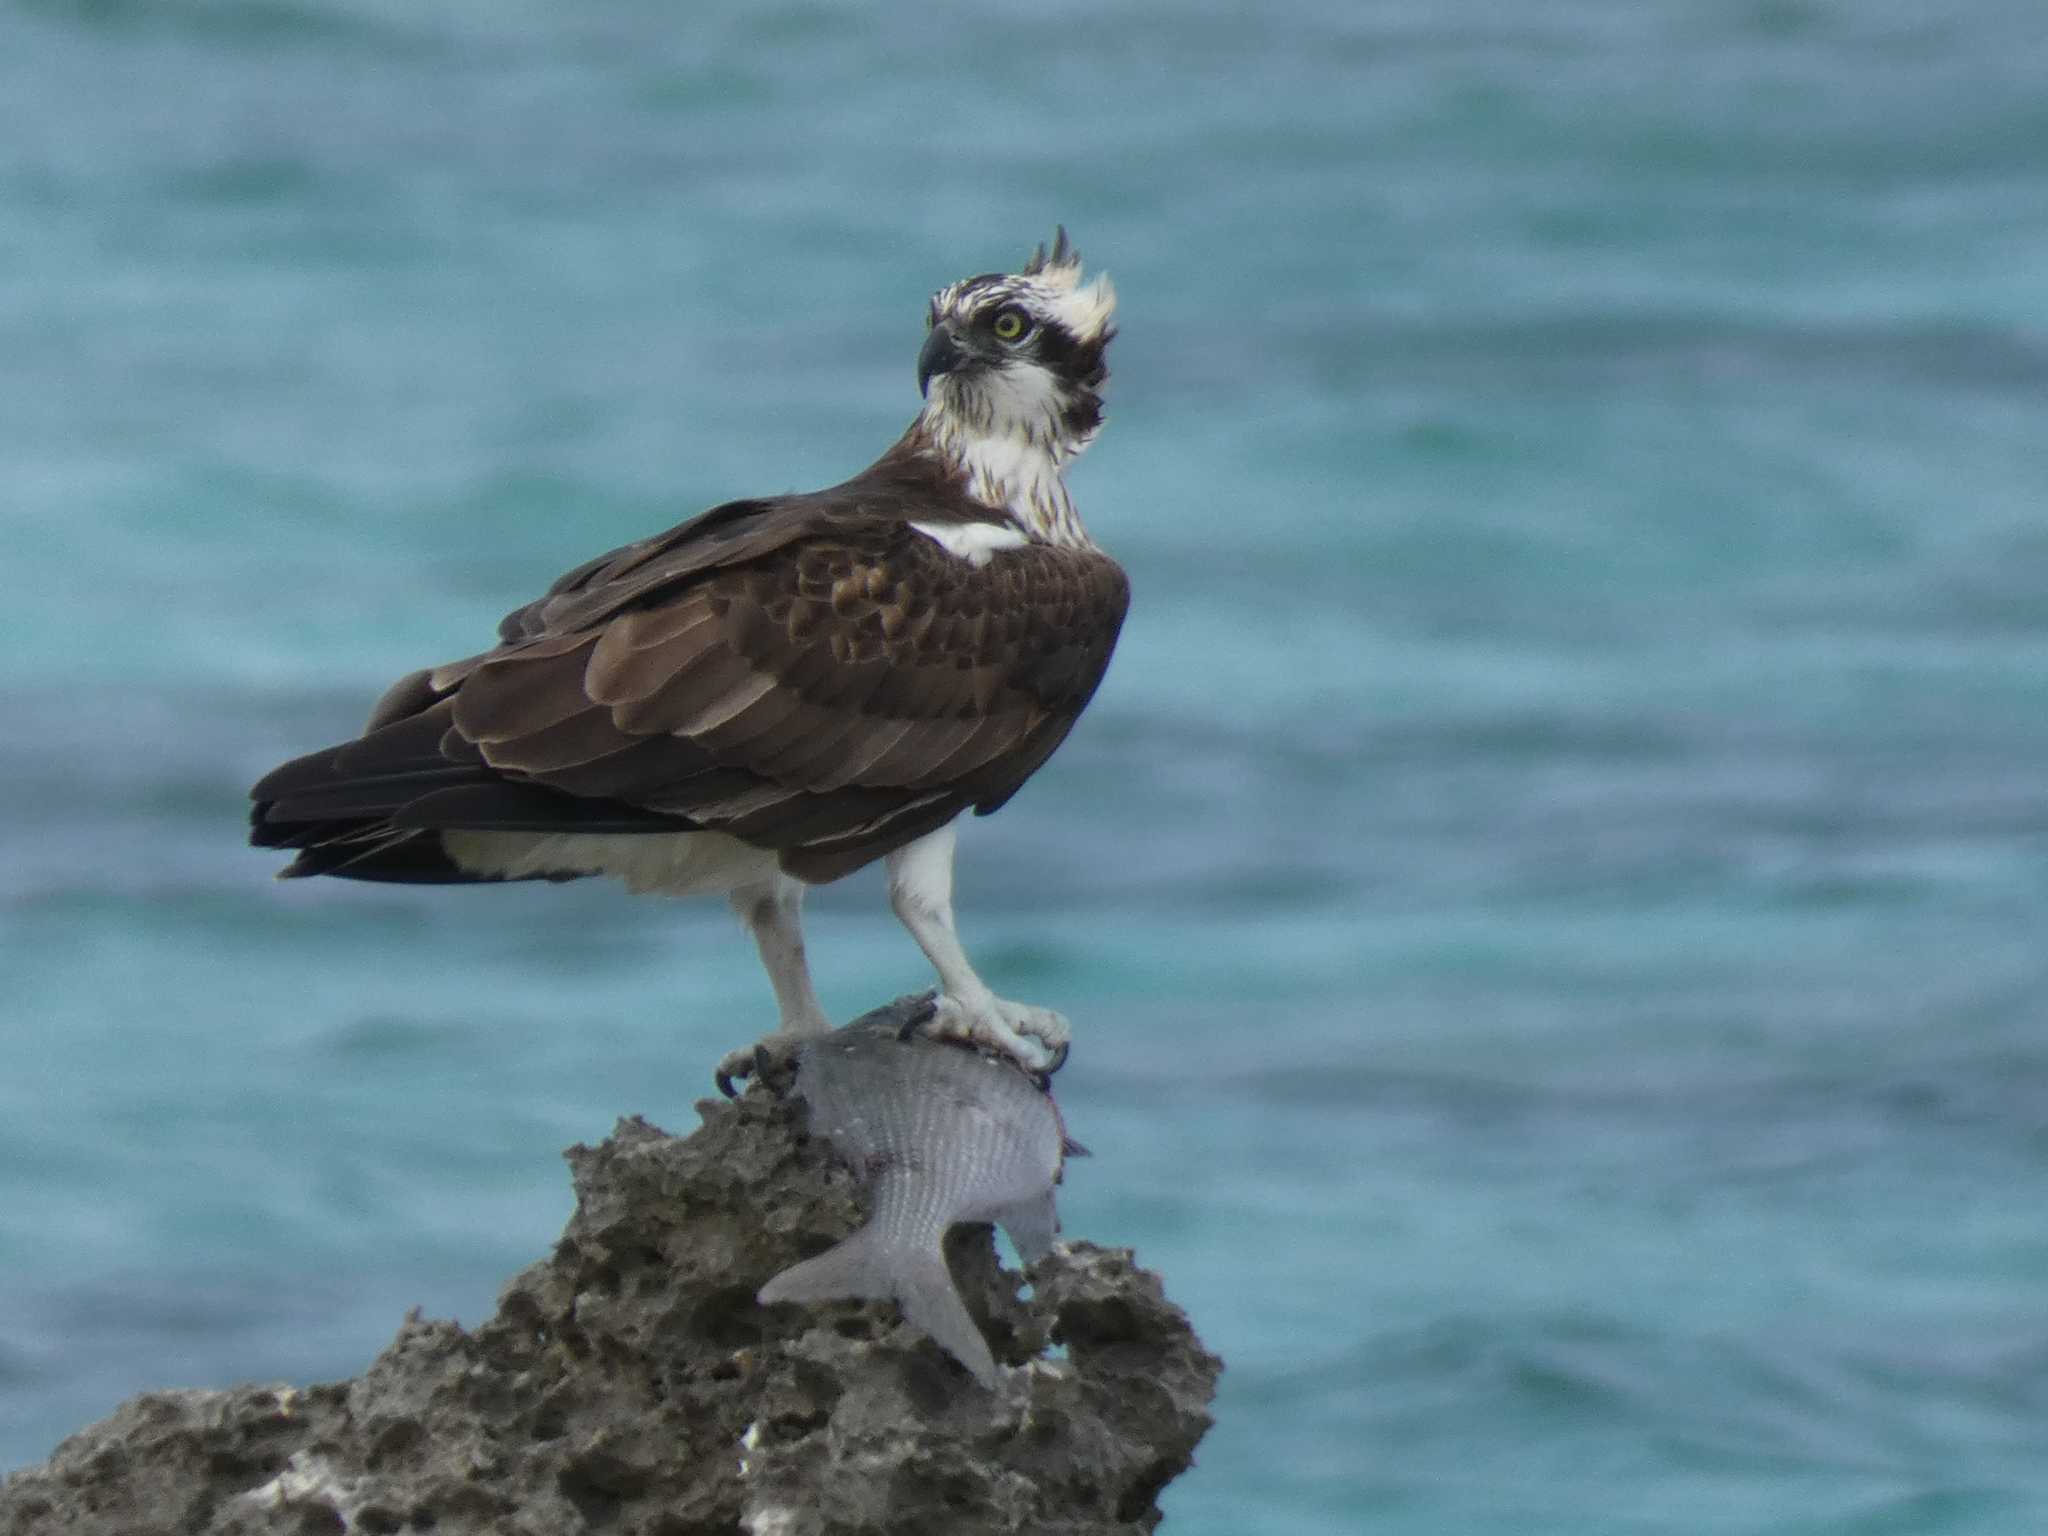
(921,891)
(773,913)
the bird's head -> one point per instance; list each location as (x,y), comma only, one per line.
(1020,355)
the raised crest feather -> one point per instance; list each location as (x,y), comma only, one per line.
(1062,268)
(1085,311)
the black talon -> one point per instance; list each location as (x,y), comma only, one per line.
(922,1008)
(1059,1059)
(767,1068)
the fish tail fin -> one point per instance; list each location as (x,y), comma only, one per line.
(869,1266)
(862,1266)
(931,1302)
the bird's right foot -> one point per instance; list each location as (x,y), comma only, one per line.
(1034,1038)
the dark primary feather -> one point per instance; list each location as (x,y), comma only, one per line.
(808,673)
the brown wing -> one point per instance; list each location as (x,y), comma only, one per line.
(830,699)
(810,678)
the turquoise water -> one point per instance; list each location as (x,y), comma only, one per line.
(1552,895)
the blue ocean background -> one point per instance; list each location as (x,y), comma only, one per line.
(1553,895)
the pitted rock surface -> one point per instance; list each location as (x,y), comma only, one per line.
(630,1384)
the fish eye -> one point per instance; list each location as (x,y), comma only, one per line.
(1011,324)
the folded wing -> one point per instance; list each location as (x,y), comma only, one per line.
(802,674)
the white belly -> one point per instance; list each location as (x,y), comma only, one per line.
(671,863)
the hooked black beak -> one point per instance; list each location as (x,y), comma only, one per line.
(941,354)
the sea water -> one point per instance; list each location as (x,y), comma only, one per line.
(1552,897)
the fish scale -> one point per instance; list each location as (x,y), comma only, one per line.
(940,1133)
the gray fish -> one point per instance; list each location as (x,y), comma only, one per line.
(940,1133)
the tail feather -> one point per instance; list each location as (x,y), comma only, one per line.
(343,799)
(403,859)
(914,1276)
(403,746)
(374,808)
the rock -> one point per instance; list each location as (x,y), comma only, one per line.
(630,1384)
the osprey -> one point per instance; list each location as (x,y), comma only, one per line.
(782,690)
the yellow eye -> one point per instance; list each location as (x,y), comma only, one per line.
(1011,325)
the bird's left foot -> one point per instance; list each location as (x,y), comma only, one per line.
(1035,1038)
(767,1060)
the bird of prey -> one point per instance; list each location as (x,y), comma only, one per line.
(780,690)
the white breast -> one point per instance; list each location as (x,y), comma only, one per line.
(976,543)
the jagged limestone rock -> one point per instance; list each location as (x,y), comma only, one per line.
(630,1384)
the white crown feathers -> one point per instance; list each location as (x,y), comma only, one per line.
(1085,311)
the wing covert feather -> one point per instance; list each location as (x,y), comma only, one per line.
(803,673)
